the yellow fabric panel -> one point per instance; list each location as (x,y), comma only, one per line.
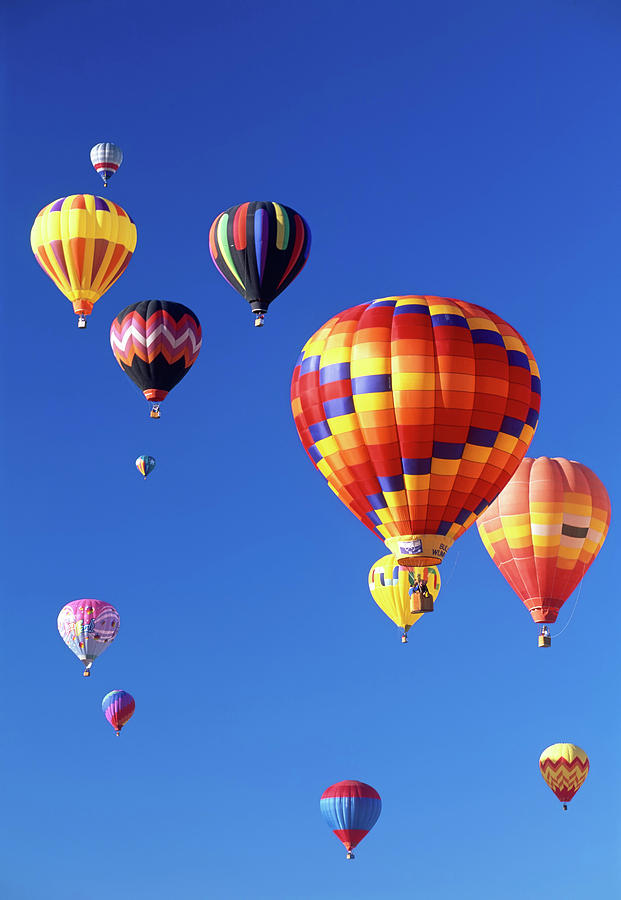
(475,454)
(414,381)
(478,322)
(444,467)
(371,402)
(395,498)
(505,442)
(335,355)
(439,308)
(417,482)
(343,424)
(375,366)
(564,751)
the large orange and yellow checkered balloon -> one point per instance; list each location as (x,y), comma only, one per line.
(545,529)
(84,244)
(417,410)
(564,768)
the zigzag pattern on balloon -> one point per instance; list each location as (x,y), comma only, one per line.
(160,334)
(565,778)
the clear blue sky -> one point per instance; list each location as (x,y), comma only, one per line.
(469,150)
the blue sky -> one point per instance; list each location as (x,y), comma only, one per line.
(469,150)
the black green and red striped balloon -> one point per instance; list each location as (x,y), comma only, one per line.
(259,247)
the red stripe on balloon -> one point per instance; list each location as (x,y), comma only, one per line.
(350,836)
(297,247)
(239,227)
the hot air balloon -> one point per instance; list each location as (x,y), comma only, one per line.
(351,809)
(156,342)
(106,159)
(403,594)
(543,532)
(417,410)
(259,248)
(87,627)
(145,465)
(118,708)
(84,244)
(564,768)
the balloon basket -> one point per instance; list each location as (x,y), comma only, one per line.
(350,855)
(421,604)
(118,734)
(564,806)
(81,321)
(155,411)
(544,640)
(404,638)
(259,322)
(86,673)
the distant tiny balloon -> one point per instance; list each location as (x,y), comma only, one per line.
(145,465)
(118,708)
(87,627)
(106,159)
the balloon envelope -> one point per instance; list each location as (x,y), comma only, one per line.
(259,247)
(417,410)
(391,588)
(156,342)
(106,159)
(84,244)
(564,768)
(351,809)
(545,529)
(145,465)
(118,708)
(88,627)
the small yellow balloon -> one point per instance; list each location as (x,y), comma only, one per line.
(564,768)
(401,592)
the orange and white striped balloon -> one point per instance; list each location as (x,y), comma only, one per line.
(544,530)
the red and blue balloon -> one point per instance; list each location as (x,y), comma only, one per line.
(118,708)
(351,809)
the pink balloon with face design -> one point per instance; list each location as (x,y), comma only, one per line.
(87,627)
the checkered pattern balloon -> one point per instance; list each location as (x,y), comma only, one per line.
(417,410)
(545,529)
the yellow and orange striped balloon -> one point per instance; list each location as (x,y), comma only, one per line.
(390,586)
(564,768)
(544,530)
(84,244)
